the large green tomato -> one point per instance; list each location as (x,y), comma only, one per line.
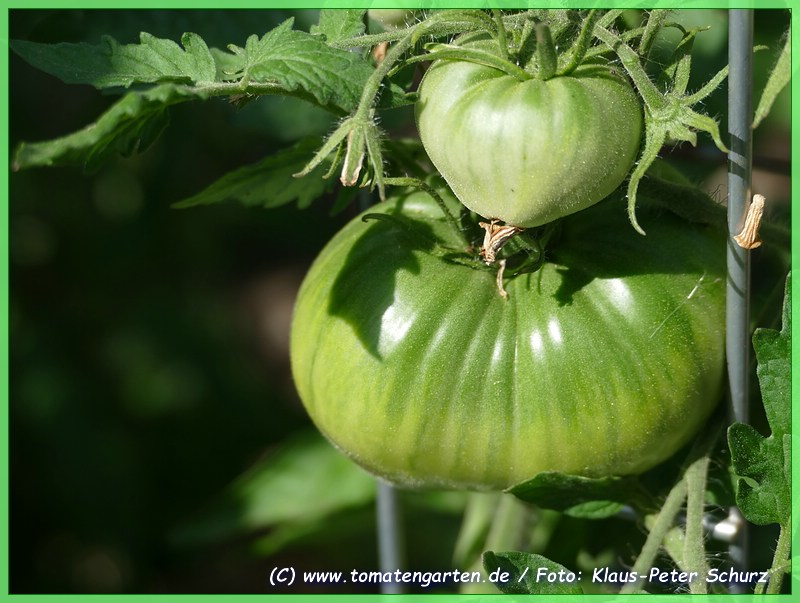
(603,362)
(528,152)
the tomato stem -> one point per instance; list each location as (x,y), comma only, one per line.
(581,46)
(472,55)
(694,554)
(527,44)
(508,525)
(780,561)
(492,522)
(692,489)
(475,526)
(658,531)
(668,115)
(655,21)
(651,95)
(546,55)
(416,183)
(502,40)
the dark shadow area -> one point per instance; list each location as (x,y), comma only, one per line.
(599,242)
(387,244)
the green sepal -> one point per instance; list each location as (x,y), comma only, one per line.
(480,56)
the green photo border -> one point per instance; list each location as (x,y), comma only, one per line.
(7,5)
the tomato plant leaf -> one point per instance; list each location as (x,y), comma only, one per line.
(780,76)
(129,126)
(269,182)
(340,24)
(306,480)
(517,573)
(111,64)
(578,496)
(773,353)
(763,465)
(282,62)
(763,492)
(302,63)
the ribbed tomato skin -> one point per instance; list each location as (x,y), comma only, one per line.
(528,152)
(603,362)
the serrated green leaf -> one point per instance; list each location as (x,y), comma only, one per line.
(763,465)
(302,63)
(517,573)
(268,183)
(780,76)
(128,127)
(111,64)
(774,353)
(199,56)
(576,495)
(284,61)
(763,491)
(229,65)
(340,24)
(306,480)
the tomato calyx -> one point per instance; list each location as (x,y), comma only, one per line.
(478,54)
(531,54)
(517,250)
(527,255)
(497,235)
(508,250)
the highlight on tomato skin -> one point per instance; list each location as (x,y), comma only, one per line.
(603,362)
(528,152)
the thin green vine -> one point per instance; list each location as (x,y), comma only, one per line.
(694,551)
(662,524)
(473,55)
(506,533)
(546,56)
(668,116)
(416,183)
(502,40)
(578,51)
(655,22)
(780,563)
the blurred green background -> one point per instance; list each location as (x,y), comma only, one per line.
(149,345)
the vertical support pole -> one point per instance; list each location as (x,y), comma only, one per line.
(740,119)
(390,539)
